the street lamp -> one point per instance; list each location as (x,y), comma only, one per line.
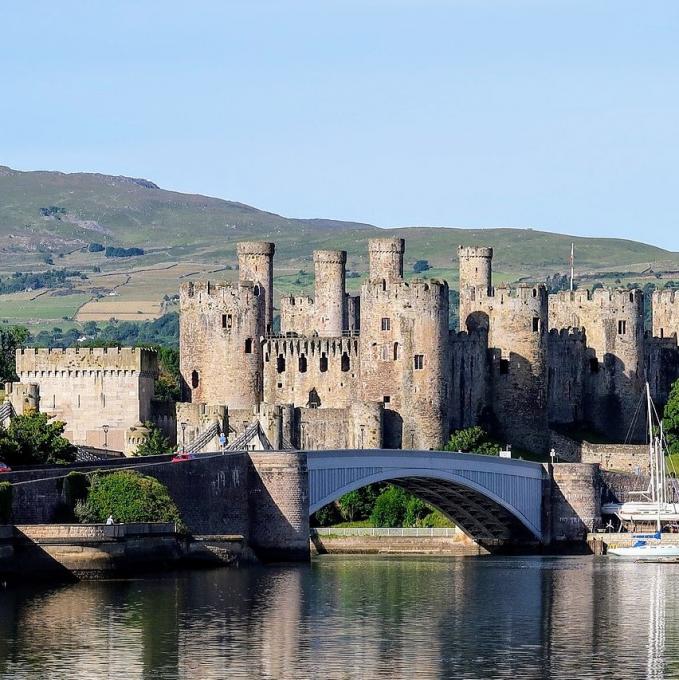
(105,429)
(362,430)
(183,426)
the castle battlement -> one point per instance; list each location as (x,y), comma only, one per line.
(600,296)
(82,359)
(311,346)
(667,296)
(430,291)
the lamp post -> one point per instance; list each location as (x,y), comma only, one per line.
(183,426)
(105,429)
(362,430)
(412,440)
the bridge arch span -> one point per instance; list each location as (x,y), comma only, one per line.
(495,501)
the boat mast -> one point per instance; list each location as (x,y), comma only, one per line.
(651,446)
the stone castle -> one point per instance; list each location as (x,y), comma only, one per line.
(377,370)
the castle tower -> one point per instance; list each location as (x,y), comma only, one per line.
(665,313)
(613,321)
(476,266)
(255,263)
(330,298)
(219,343)
(404,359)
(386,258)
(518,341)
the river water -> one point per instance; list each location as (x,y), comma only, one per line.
(355,617)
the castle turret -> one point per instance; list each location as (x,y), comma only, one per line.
(330,298)
(386,258)
(255,263)
(220,349)
(476,266)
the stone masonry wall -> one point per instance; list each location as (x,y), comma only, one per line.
(91,387)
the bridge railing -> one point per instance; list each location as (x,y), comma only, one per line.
(441,532)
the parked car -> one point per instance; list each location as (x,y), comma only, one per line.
(4,467)
(181,456)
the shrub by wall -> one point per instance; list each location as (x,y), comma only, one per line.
(129,497)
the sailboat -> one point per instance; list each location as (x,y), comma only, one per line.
(654,507)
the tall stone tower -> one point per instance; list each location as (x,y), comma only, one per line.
(255,263)
(476,266)
(330,299)
(404,357)
(386,258)
(518,340)
(219,344)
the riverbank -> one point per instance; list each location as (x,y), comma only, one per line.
(92,551)
(599,543)
(374,541)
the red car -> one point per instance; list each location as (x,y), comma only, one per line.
(4,468)
(181,456)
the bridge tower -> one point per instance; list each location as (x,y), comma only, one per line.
(255,264)
(330,293)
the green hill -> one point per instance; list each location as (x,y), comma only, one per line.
(47,218)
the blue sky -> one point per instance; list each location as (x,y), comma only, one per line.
(552,114)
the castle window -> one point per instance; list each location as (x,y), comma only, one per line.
(419,362)
(387,399)
(535,292)
(280,363)
(504,366)
(248,345)
(227,321)
(536,324)
(346,364)
(662,332)
(593,365)
(384,284)
(255,290)
(631,297)
(395,351)
(195,379)
(323,363)
(302,363)
(622,327)
(78,401)
(386,324)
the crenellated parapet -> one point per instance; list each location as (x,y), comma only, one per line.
(63,362)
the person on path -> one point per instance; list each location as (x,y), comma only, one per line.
(109,521)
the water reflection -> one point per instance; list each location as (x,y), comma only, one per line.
(354,617)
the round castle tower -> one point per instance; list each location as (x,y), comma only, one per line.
(330,298)
(255,263)
(476,268)
(219,345)
(386,258)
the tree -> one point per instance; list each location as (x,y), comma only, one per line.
(128,496)
(155,443)
(10,340)
(421,266)
(472,440)
(357,505)
(671,419)
(31,439)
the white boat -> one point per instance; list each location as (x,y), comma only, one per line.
(655,507)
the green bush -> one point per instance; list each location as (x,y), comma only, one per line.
(671,419)
(5,502)
(129,497)
(395,507)
(155,443)
(472,440)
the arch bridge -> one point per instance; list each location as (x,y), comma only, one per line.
(496,501)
